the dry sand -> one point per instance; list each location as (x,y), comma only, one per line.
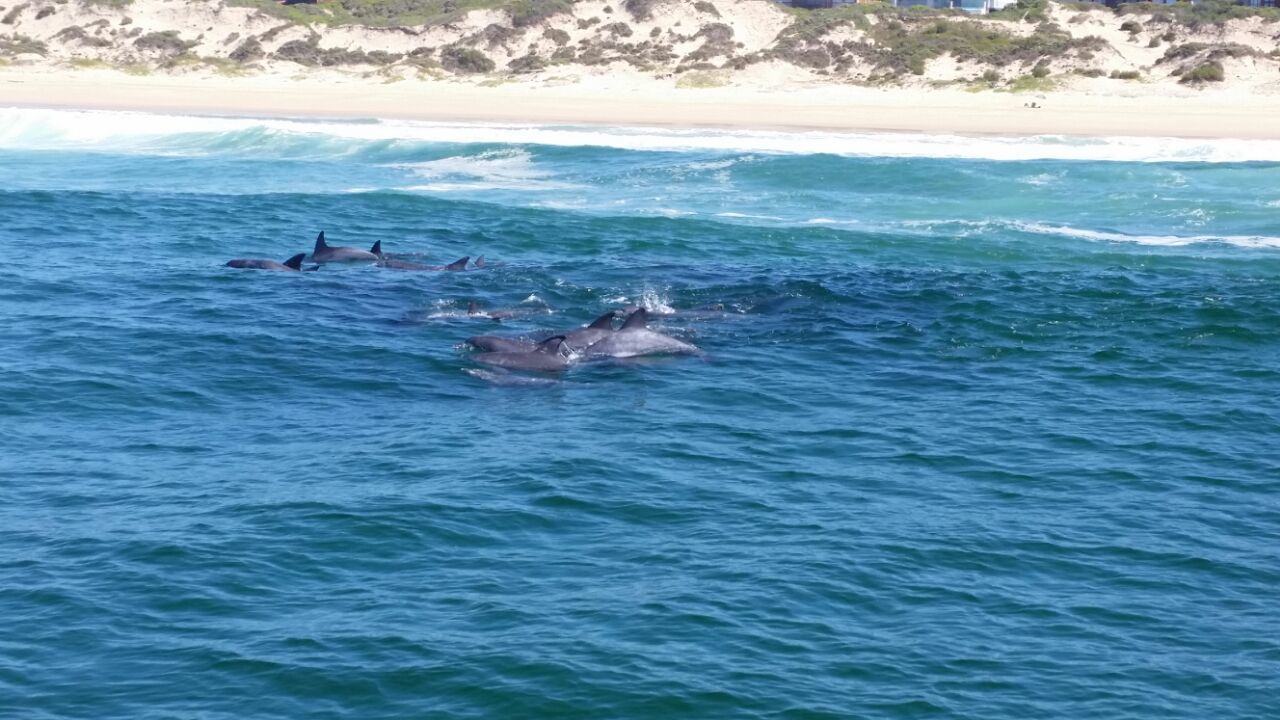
(621,100)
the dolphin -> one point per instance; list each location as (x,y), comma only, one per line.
(293,264)
(549,356)
(493,343)
(599,329)
(575,339)
(325,253)
(456,266)
(634,338)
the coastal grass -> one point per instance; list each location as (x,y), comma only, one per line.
(701,79)
(405,13)
(903,41)
(89,64)
(1032,83)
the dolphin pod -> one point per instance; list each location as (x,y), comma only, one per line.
(323,252)
(598,340)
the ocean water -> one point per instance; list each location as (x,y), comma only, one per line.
(987,428)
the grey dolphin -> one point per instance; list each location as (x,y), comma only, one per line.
(549,356)
(323,252)
(455,266)
(634,339)
(293,264)
(575,339)
(493,343)
(599,329)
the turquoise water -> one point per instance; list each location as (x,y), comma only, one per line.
(988,428)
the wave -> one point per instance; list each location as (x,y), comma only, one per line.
(45,129)
(970,228)
(512,169)
(1243,241)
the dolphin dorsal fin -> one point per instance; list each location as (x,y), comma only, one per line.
(473,308)
(320,245)
(604,322)
(551,345)
(479,262)
(377,248)
(637,320)
(295,262)
(458,265)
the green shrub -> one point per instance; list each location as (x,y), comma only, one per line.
(991,76)
(531,12)
(12,16)
(248,51)
(556,35)
(640,9)
(706,8)
(618,29)
(1130,26)
(1125,75)
(1211,71)
(458,59)
(527,64)
(21,45)
(1035,11)
(167,42)
(75,33)
(1041,70)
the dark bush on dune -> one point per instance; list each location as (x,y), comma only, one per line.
(167,42)
(640,9)
(458,59)
(249,51)
(1211,71)
(531,12)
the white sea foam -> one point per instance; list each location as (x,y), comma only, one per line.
(24,128)
(1245,241)
(491,170)
(748,216)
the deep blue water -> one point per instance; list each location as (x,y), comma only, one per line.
(975,437)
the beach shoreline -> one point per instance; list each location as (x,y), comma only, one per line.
(653,103)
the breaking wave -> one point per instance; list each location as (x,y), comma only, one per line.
(389,140)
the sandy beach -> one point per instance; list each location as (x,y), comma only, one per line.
(639,101)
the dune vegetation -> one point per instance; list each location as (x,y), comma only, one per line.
(1035,44)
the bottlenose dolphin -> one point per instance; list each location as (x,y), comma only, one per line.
(324,253)
(549,356)
(575,339)
(634,339)
(455,266)
(493,343)
(599,329)
(293,264)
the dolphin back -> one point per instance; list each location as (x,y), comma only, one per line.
(604,322)
(638,320)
